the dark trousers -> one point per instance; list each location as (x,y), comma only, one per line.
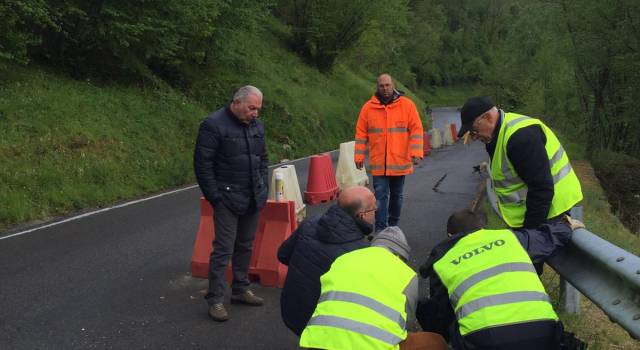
(388,191)
(537,335)
(233,240)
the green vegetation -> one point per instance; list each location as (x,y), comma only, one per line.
(67,145)
(100,101)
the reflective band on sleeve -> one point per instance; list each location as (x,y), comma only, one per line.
(355,326)
(485,274)
(416,146)
(375,167)
(358,151)
(499,299)
(375,131)
(397,129)
(416,137)
(382,309)
(361,141)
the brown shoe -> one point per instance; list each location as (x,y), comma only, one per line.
(217,312)
(247,298)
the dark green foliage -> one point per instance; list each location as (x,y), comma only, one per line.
(125,39)
(322,29)
(619,176)
(128,37)
(19,22)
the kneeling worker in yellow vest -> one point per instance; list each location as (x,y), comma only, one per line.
(367,298)
(484,291)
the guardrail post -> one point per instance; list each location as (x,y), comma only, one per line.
(569,295)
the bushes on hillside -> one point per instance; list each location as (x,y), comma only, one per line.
(122,39)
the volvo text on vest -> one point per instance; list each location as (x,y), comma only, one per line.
(470,254)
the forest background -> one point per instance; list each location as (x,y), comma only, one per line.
(100,100)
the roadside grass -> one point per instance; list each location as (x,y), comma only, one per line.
(447,96)
(66,145)
(592,326)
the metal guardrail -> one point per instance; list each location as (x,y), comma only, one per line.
(605,273)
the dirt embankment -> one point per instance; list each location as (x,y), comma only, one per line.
(619,176)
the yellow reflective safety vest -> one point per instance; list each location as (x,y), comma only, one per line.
(361,304)
(491,282)
(509,187)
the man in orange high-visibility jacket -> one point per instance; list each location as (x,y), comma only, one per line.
(390,125)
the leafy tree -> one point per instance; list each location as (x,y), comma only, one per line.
(604,37)
(322,29)
(19,22)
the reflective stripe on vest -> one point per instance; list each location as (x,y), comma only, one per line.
(355,326)
(354,310)
(485,274)
(509,187)
(397,129)
(367,302)
(514,180)
(399,167)
(375,130)
(499,299)
(491,282)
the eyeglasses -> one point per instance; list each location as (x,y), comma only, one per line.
(368,211)
(474,129)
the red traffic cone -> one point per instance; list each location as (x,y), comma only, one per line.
(454,132)
(321,183)
(426,144)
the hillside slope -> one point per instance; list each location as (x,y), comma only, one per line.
(68,145)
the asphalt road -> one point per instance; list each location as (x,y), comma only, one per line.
(444,116)
(121,278)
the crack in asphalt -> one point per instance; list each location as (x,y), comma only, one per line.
(435,188)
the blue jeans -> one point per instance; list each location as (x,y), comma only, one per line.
(388,191)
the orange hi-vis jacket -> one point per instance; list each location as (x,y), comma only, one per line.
(393,133)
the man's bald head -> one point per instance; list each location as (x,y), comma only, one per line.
(358,201)
(385,86)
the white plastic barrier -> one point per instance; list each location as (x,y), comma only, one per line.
(347,174)
(291,188)
(436,138)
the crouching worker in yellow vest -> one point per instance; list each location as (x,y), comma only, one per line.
(367,298)
(484,291)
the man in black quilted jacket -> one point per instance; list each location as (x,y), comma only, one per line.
(312,248)
(230,162)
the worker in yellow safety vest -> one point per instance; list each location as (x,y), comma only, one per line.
(367,299)
(530,170)
(484,291)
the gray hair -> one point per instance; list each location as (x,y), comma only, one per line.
(244,92)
